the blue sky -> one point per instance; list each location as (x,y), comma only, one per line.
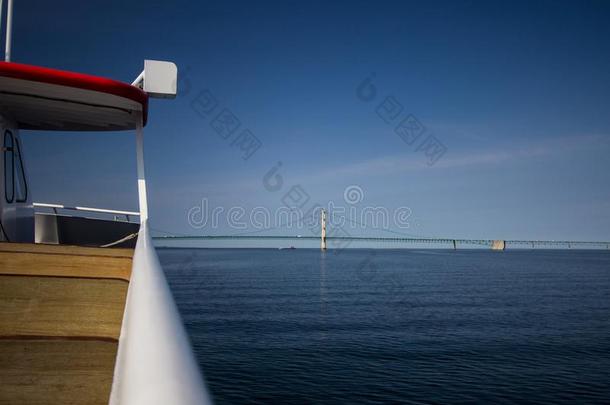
(518,94)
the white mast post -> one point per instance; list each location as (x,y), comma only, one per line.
(140,167)
(9,30)
(1,9)
(158,80)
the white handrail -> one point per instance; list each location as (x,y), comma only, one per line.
(89,209)
(155,364)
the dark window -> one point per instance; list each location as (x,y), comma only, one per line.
(9,167)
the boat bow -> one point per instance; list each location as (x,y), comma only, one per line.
(155,362)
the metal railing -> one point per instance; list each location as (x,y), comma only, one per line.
(56,207)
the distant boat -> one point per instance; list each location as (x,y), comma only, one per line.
(288,248)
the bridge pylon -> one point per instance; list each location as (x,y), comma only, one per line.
(323,234)
(498,245)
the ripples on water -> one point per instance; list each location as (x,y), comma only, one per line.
(379,326)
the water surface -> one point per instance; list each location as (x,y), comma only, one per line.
(410,326)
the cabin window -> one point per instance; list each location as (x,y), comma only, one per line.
(9,167)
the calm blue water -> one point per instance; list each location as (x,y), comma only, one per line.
(379,326)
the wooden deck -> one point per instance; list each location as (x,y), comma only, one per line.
(61,309)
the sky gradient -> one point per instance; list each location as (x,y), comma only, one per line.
(519,95)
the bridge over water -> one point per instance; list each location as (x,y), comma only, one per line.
(345,240)
(338,242)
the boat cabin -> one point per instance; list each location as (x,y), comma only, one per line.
(36,98)
(85,318)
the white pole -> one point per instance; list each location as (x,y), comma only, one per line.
(140,163)
(9,29)
(1,15)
